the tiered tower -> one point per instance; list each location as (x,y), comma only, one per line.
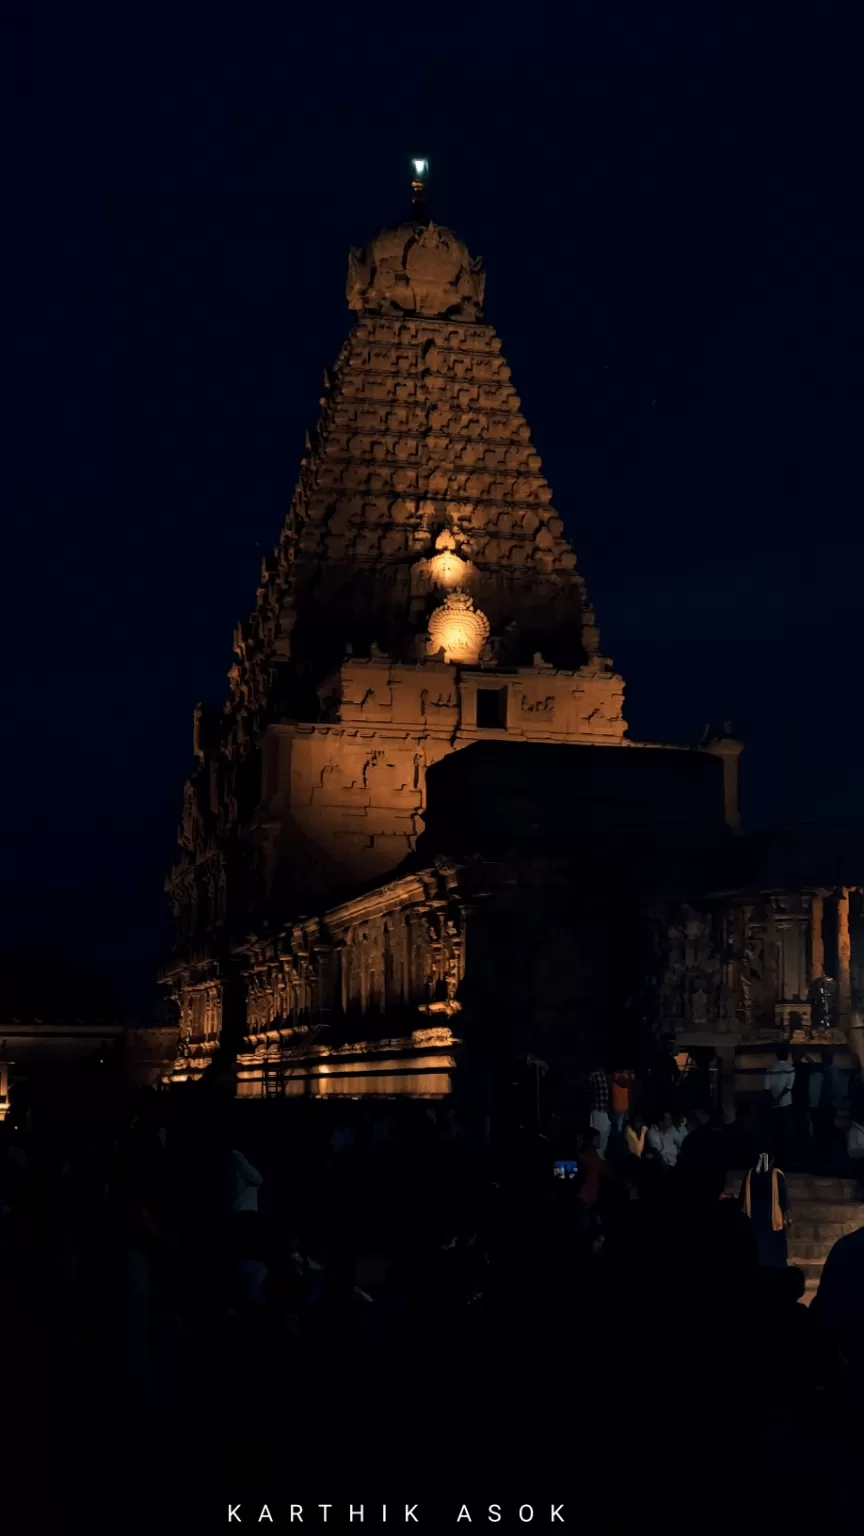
(422,595)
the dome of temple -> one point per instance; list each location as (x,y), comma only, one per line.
(416,269)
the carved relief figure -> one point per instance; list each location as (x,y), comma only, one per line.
(752,975)
(690,990)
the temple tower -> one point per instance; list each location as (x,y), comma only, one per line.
(422,595)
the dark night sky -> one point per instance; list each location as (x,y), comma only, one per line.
(668,200)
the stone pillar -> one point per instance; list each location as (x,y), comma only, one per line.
(726,1057)
(817,945)
(844,960)
(844,974)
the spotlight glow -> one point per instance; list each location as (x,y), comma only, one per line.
(458,629)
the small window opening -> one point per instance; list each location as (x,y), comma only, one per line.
(492,709)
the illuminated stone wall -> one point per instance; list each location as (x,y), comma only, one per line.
(383,995)
(347,796)
(199,1025)
(396,954)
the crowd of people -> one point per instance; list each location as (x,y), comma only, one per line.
(816,1118)
(619,1146)
(386,1297)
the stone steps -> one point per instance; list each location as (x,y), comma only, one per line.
(811,1248)
(817,1228)
(824,1188)
(807,1186)
(823,1208)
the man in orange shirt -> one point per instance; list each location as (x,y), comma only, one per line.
(620,1084)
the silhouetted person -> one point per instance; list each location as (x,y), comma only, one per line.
(801,1089)
(704,1149)
(529,1158)
(592,1170)
(635,1132)
(779,1083)
(620,1096)
(247,1182)
(665,1077)
(662,1144)
(743,1137)
(598,1097)
(248,1247)
(204,1178)
(765,1199)
(136,1198)
(718,1236)
(856,1091)
(824,1111)
(855,1150)
(803,1364)
(838,1306)
(680,1128)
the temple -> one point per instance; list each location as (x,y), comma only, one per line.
(419,845)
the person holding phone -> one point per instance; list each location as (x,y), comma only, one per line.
(765,1199)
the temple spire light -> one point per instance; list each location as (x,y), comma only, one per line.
(419,177)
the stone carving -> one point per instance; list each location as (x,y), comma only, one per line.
(416,269)
(691,993)
(411,954)
(752,974)
(458,630)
